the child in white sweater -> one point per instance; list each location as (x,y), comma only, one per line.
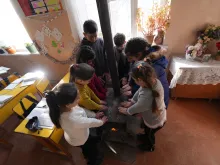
(75,121)
(148,101)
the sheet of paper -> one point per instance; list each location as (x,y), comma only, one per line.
(17,81)
(3,71)
(45,121)
(30,76)
(35,112)
(11,86)
(4,98)
(42,103)
(4,68)
(27,83)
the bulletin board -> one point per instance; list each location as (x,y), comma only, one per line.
(53,36)
(35,7)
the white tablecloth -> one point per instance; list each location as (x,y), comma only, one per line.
(194,72)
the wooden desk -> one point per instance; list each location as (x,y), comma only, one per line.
(18,93)
(49,138)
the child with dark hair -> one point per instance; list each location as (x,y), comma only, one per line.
(81,74)
(75,121)
(90,39)
(87,55)
(121,60)
(138,49)
(148,101)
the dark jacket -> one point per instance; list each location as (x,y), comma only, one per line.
(159,66)
(122,63)
(100,61)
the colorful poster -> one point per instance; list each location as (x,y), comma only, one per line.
(34,7)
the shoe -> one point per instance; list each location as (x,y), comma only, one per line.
(146,148)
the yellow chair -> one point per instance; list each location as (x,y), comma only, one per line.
(6,81)
(26,105)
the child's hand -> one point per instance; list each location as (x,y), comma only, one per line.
(103,102)
(123,110)
(124,81)
(127,93)
(126,104)
(99,115)
(104,119)
(127,88)
(103,107)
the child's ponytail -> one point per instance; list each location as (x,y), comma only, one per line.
(145,72)
(57,100)
(54,108)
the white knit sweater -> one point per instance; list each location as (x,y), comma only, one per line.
(76,125)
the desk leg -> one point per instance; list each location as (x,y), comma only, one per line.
(53,147)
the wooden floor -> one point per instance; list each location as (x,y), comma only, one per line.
(191,137)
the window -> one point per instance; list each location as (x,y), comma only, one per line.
(120,15)
(12,31)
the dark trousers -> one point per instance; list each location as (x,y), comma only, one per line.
(91,151)
(148,138)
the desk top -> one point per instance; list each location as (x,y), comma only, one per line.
(181,62)
(18,93)
(194,72)
(44,133)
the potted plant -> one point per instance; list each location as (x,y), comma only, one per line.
(158,21)
(31,47)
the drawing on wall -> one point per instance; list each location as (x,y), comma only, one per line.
(56,34)
(35,7)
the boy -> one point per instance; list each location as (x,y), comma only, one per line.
(121,60)
(90,39)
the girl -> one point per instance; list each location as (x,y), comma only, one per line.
(148,101)
(81,74)
(138,49)
(66,114)
(87,55)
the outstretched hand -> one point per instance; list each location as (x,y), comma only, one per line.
(99,115)
(126,104)
(123,110)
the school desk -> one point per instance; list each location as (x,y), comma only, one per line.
(49,138)
(18,93)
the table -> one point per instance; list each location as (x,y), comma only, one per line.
(49,138)
(18,93)
(193,79)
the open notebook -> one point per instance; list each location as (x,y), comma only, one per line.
(43,117)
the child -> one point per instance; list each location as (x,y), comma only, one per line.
(136,50)
(159,63)
(87,55)
(81,74)
(121,60)
(90,39)
(66,114)
(148,101)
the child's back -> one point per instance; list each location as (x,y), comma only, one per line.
(76,125)
(159,66)
(100,60)
(144,99)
